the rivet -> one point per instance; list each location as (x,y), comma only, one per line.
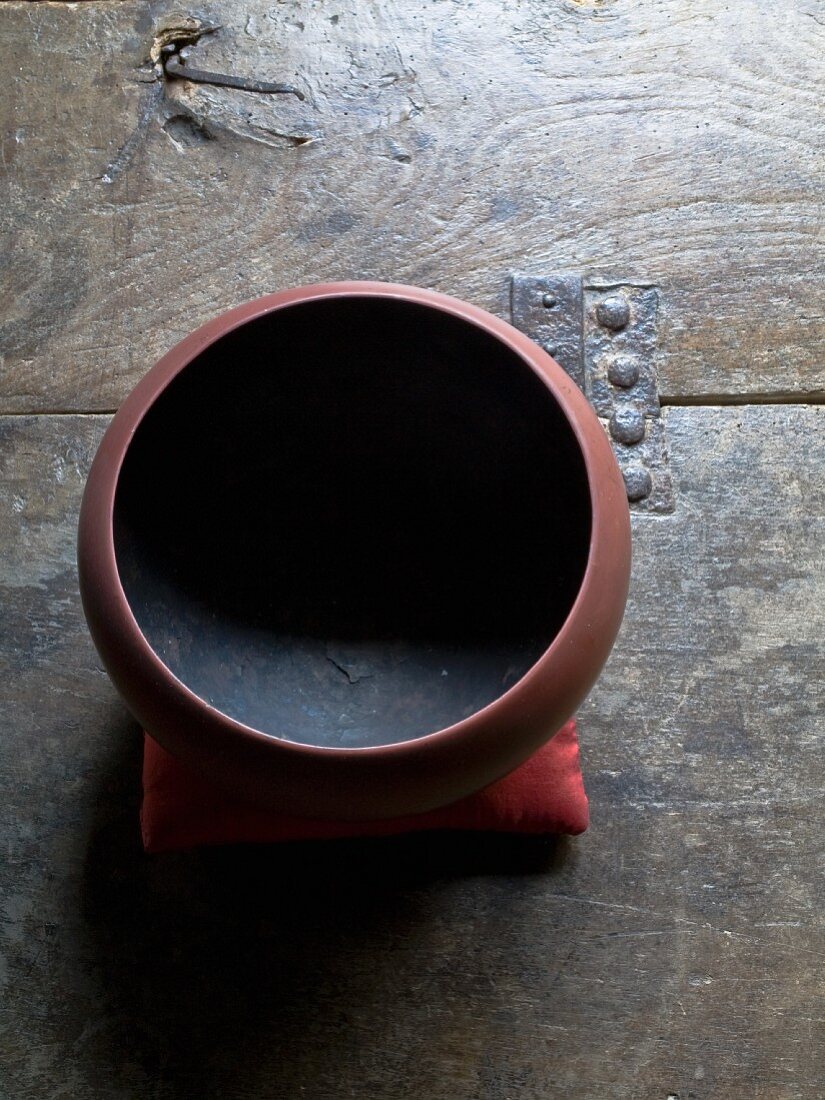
(549,301)
(613,312)
(627,425)
(551,349)
(623,371)
(637,482)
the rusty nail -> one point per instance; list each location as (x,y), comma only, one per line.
(627,425)
(637,482)
(175,68)
(613,312)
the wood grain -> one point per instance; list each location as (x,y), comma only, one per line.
(674,950)
(440,144)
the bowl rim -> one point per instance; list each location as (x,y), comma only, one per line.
(110,614)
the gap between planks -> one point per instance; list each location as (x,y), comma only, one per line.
(711,400)
(707,400)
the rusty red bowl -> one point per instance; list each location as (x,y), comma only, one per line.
(354,550)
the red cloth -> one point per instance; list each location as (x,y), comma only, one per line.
(182,810)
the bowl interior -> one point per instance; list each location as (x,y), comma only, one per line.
(352,522)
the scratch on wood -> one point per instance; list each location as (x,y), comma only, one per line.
(149,100)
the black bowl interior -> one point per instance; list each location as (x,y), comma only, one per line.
(352,522)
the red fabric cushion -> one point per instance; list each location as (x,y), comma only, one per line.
(182,810)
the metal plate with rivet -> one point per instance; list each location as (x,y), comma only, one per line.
(611,351)
(653,493)
(637,482)
(623,371)
(604,336)
(627,424)
(549,310)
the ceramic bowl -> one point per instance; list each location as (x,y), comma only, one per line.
(354,550)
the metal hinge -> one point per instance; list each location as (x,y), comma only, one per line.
(604,336)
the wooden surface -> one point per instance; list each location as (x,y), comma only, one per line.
(677,948)
(440,144)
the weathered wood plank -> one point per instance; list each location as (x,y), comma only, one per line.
(675,949)
(442,144)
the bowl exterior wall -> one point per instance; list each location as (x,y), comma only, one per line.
(393,780)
